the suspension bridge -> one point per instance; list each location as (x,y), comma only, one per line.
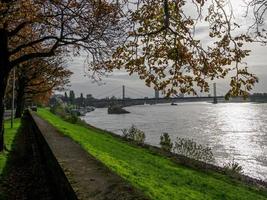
(127,96)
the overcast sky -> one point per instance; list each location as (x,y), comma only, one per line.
(111,85)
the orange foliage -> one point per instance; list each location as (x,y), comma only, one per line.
(163,50)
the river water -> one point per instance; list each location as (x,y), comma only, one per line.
(233,130)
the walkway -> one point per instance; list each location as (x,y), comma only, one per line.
(89,178)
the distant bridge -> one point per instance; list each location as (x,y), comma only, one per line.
(151,101)
(124,101)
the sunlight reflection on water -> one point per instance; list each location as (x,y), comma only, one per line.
(234,130)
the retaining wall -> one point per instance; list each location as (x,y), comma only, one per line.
(56,177)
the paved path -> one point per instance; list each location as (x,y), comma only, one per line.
(89,178)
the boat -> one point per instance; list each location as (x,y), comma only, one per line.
(116,109)
(90,108)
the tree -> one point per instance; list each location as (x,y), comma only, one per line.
(89,96)
(161,46)
(37,79)
(258,8)
(41,28)
(66,98)
(72,97)
(42,98)
(81,101)
(164,51)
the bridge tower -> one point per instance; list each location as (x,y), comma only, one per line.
(156,95)
(123,92)
(214,94)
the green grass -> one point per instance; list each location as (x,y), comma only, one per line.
(9,136)
(155,175)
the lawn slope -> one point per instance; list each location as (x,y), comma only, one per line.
(9,136)
(156,176)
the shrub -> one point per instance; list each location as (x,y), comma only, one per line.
(72,118)
(191,149)
(165,142)
(64,112)
(134,134)
(233,167)
(58,108)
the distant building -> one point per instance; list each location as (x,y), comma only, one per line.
(156,94)
(89,96)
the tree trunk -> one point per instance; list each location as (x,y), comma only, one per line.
(3,84)
(4,71)
(20,107)
(20,98)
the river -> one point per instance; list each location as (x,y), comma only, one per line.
(233,130)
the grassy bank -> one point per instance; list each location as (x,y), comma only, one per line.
(10,134)
(156,176)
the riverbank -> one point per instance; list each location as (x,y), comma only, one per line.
(157,176)
(234,131)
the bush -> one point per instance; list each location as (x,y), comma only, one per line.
(191,149)
(233,167)
(134,134)
(65,113)
(72,118)
(165,142)
(58,109)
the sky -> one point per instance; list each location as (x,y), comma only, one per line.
(135,88)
